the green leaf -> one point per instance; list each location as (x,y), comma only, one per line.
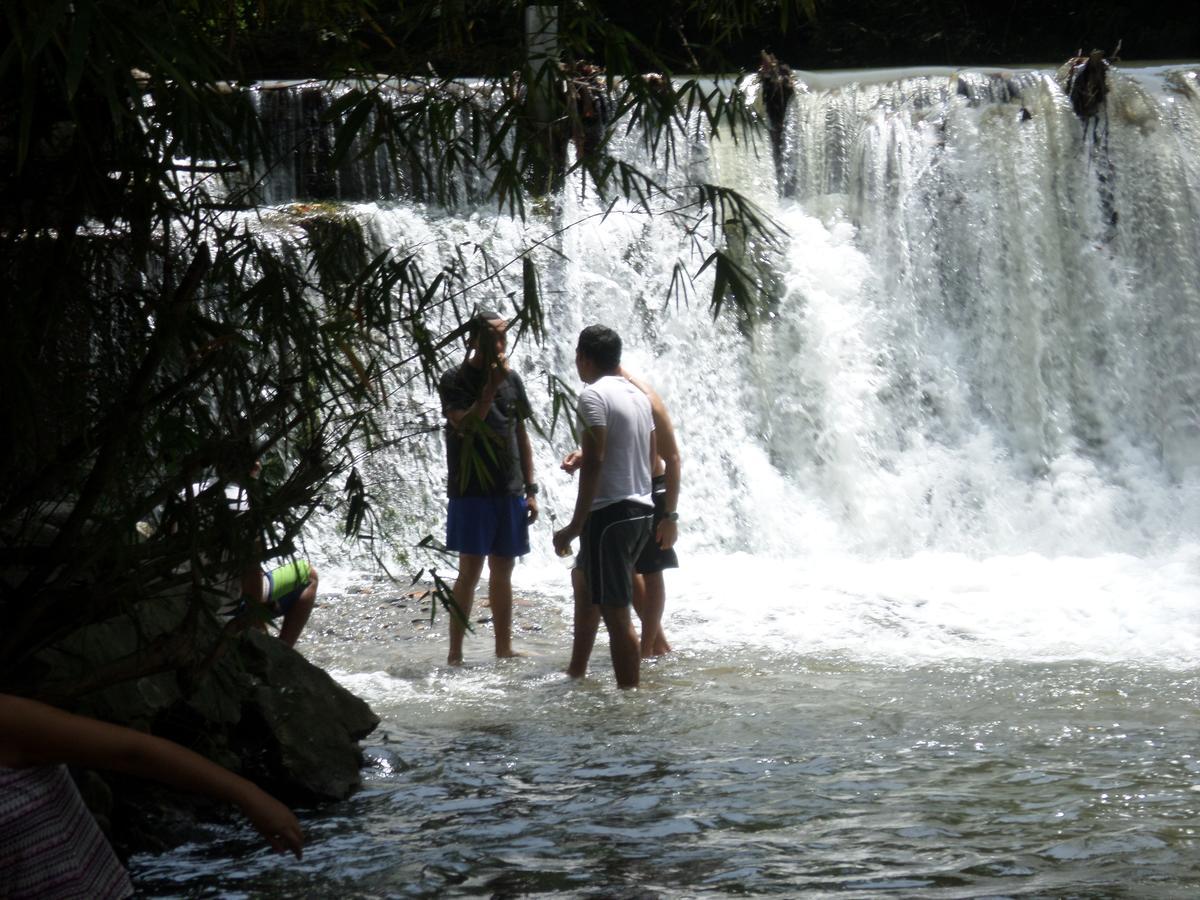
(531,295)
(350,129)
(48,20)
(443,593)
(77,54)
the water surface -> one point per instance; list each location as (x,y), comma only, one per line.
(772,768)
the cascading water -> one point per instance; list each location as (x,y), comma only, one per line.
(938,615)
(1008,378)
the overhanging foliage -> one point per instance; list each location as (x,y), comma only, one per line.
(158,338)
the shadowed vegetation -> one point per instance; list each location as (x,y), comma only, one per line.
(159,337)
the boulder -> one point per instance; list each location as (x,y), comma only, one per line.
(261,709)
(305,723)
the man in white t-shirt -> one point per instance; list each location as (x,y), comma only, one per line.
(613,510)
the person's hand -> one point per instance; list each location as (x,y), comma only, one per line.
(572,461)
(274,821)
(562,540)
(666,534)
(531,509)
(498,370)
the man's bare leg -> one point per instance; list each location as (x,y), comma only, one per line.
(649,600)
(587,621)
(296,618)
(654,642)
(470,566)
(639,598)
(623,644)
(500,598)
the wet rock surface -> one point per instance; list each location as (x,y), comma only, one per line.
(262,710)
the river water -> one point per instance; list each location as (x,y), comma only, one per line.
(938,619)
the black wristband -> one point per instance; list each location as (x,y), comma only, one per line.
(671,516)
(531,489)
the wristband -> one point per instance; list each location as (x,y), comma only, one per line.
(671,517)
(531,489)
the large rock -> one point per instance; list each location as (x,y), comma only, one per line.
(262,710)
(304,719)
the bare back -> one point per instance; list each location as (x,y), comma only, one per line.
(664,429)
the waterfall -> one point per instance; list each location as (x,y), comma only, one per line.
(1010,371)
(982,338)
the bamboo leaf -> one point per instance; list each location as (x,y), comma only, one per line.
(77,54)
(444,594)
(48,20)
(350,129)
(532,298)
(364,379)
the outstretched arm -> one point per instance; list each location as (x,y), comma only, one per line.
(34,734)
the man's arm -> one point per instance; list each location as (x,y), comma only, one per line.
(34,734)
(526,451)
(570,463)
(592,448)
(453,404)
(668,452)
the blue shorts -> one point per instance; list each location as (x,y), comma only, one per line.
(488,526)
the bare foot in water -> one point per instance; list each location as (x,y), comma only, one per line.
(509,653)
(454,660)
(661,648)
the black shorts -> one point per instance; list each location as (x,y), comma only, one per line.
(653,557)
(612,538)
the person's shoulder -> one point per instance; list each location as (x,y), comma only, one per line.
(648,390)
(626,387)
(592,396)
(455,379)
(514,379)
(657,408)
(640,383)
(451,375)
